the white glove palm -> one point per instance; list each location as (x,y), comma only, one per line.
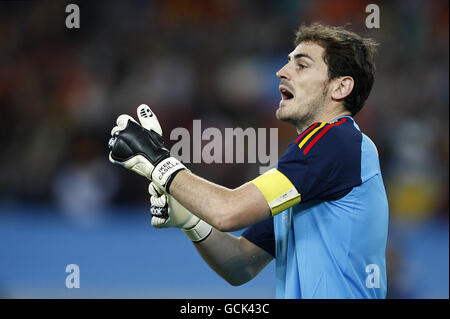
(168,212)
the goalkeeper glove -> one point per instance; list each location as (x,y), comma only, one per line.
(140,148)
(168,212)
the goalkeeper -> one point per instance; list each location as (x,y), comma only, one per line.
(322,213)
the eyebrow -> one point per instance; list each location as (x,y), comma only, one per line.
(300,55)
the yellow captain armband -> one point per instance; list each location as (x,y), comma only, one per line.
(278,190)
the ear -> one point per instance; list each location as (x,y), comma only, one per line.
(342,88)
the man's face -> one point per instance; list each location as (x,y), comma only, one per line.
(303,85)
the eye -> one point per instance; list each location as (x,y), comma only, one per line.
(301,66)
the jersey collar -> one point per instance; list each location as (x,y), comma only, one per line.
(341,117)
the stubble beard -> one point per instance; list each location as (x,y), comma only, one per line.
(312,112)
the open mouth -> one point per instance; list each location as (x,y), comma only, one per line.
(285,93)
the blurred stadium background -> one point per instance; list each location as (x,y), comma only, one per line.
(62,202)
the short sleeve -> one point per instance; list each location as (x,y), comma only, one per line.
(324,162)
(262,235)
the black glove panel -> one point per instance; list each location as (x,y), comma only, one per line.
(136,140)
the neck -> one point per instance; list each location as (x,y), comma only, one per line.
(325,117)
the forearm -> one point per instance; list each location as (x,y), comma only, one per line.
(234,259)
(223,208)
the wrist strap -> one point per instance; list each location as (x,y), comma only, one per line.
(164,170)
(199,232)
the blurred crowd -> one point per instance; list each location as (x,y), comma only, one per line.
(61,90)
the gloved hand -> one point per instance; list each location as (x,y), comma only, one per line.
(140,148)
(168,212)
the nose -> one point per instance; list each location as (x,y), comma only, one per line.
(283,73)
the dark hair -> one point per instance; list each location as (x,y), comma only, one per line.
(346,54)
